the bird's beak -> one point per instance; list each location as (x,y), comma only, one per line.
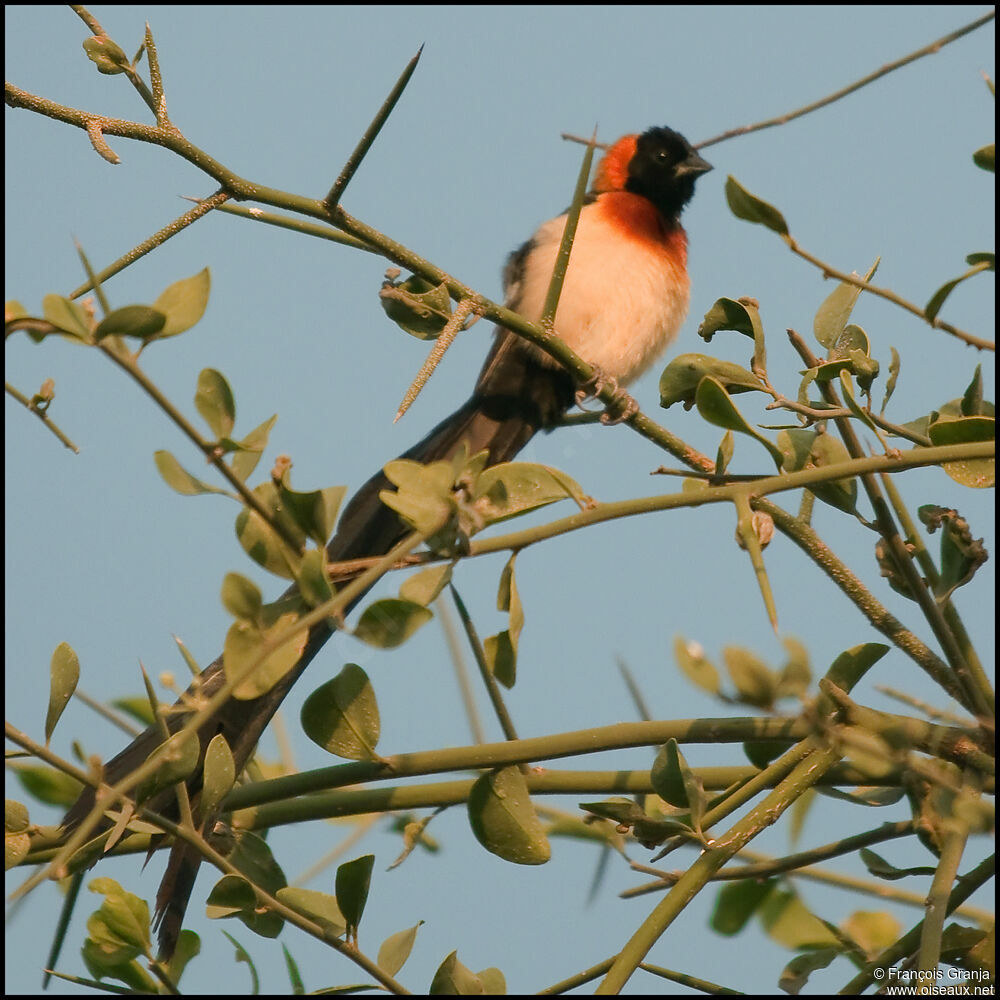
(693,166)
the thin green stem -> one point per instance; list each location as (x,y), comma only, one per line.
(566,243)
(837,95)
(42,415)
(972,696)
(691,982)
(929,955)
(804,776)
(318,230)
(876,970)
(156,240)
(489,681)
(890,296)
(127,363)
(444,340)
(462,677)
(371,133)
(807,539)
(948,610)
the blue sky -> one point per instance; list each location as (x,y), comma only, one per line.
(100,554)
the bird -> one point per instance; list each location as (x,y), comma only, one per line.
(624,298)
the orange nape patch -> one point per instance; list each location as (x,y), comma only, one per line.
(612,171)
(637,218)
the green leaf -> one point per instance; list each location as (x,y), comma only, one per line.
(501,649)
(727,314)
(131,321)
(120,929)
(424,493)
(679,381)
(320,907)
(230,896)
(737,902)
(241,597)
(756,684)
(179,479)
(977,473)
(177,757)
(250,450)
(743,316)
(717,408)
(789,922)
(242,955)
(390,622)
(352,882)
(504,820)
(795,677)
(298,987)
(254,860)
(247,644)
(724,453)
(796,974)
(675,782)
(262,543)
(695,665)
(937,300)
(106,55)
(314,585)
(890,385)
(423,587)
(806,449)
(870,798)
(69,316)
(315,511)
(184,303)
(454,979)
(972,398)
(513,488)
(847,388)
(832,316)
(64,673)
(219,775)
(851,665)
(396,948)
(16,841)
(47,784)
(417,307)
(880,868)
(188,947)
(494,982)
(764,752)
(961,554)
(342,715)
(985,158)
(746,206)
(648,830)
(214,401)
(872,931)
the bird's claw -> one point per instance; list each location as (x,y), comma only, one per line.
(621,407)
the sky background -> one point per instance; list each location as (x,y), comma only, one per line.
(102,555)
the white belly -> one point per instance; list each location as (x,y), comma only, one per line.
(622,302)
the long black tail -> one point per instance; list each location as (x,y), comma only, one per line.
(517,394)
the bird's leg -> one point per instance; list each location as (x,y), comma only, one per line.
(621,407)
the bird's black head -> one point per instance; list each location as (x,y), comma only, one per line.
(664,168)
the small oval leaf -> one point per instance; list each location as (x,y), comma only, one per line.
(504,820)
(64,672)
(746,206)
(342,715)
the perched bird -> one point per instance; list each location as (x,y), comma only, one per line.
(623,300)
